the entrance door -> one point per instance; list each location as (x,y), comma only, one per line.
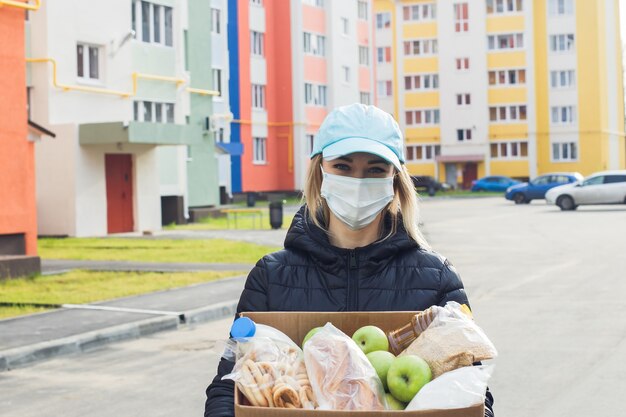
(470,173)
(451,174)
(119,184)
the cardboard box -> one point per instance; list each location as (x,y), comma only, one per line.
(297,324)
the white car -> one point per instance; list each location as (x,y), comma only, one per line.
(607,187)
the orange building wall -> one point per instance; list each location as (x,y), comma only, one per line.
(17,161)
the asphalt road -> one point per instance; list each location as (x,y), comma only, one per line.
(547,287)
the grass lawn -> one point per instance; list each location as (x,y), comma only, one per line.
(153,250)
(244,222)
(78,287)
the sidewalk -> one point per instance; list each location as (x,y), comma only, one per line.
(28,339)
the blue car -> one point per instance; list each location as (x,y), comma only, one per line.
(536,189)
(493,183)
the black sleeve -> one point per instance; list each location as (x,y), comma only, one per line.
(220,400)
(451,286)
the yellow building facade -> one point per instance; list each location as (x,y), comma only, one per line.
(517,88)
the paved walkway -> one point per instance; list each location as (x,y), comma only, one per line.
(55,266)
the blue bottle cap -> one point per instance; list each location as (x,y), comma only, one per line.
(242,327)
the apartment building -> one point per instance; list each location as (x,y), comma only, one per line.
(131,108)
(503,87)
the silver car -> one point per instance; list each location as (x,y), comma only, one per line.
(607,187)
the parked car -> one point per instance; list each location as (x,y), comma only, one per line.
(493,183)
(429,184)
(536,189)
(607,187)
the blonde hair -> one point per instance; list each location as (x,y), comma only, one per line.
(404,202)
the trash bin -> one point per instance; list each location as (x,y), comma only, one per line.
(276,214)
(251,199)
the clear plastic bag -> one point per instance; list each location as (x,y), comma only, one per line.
(463,387)
(271,373)
(451,341)
(341,376)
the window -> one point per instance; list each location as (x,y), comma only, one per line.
(562,79)
(317,3)
(217,81)
(362,5)
(156,22)
(422,153)
(314,44)
(344,26)
(461,19)
(383,54)
(509,150)
(562,115)
(87,62)
(507,113)
(507,77)
(463,134)
(219,135)
(463,100)
(462,64)
(566,151)
(257,43)
(153,112)
(383,20)
(346,74)
(504,6)
(259,151)
(561,7)
(420,47)
(421,82)
(315,94)
(424,11)
(364,98)
(384,88)
(562,43)
(424,117)
(505,41)
(612,179)
(215,21)
(364,55)
(258,96)
(310,140)
(257,2)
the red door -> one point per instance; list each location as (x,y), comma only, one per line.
(119,183)
(470,173)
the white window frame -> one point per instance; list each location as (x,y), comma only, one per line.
(464,64)
(422,12)
(258,96)
(345,26)
(429,45)
(257,2)
(384,88)
(365,98)
(381,54)
(461,24)
(165,32)
(314,3)
(563,79)
(216,21)
(314,44)
(383,20)
(561,43)
(310,141)
(315,95)
(567,112)
(493,41)
(429,117)
(513,113)
(163,112)
(463,100)
(362,8)
(561,7)
(216,74)
(463,135)
(507,77)
(364,56)
(558,149)
(86,63)
(259,150)
(428,152)
(511,146)
(499,7)
(257,43)
(347,77)
(426,81)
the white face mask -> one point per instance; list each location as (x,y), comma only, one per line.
(356,201)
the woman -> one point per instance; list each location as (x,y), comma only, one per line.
(355,245)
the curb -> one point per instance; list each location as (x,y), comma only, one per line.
(84,342)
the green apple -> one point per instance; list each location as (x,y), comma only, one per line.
(381,361)
(370,339)
(406,376)
(393,404)
(310,335)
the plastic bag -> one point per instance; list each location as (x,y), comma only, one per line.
(341,376)
(271,373)
(451,341)
(463,387)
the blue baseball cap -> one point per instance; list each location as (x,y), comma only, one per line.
(360,128)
